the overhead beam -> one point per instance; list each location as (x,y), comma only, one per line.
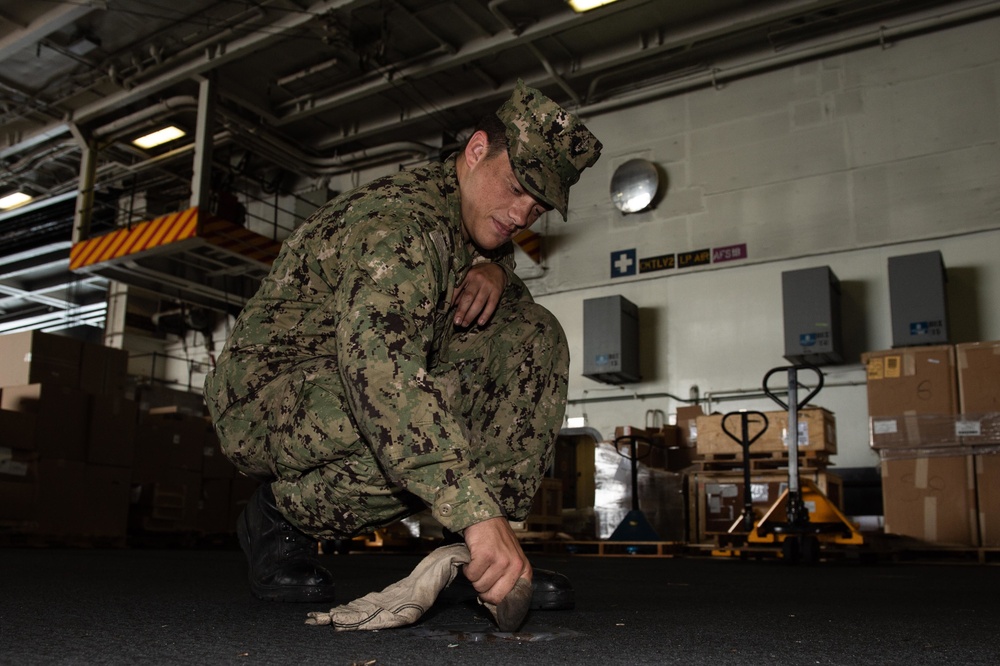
(40,27)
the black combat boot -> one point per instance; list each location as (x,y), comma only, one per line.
(550,590)
(283,561)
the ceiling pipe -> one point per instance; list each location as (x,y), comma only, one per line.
(552,25)
(494,7)
(234,50)
(126,124)
(230,28)
(338,164)
(289,155)
(251,43)
(471,51)
(867,37)
(294,159)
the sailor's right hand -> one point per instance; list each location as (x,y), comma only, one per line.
(497,560)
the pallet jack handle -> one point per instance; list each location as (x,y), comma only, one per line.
(634,457)
(793,384)
(797,513)
(634,526)
(745,440)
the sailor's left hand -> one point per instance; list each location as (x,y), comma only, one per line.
(478,294)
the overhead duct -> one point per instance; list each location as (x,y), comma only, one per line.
(179,319)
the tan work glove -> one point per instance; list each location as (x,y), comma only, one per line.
(405,602)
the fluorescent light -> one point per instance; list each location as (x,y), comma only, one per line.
(14,200)
(587,5)
(159,137)
(576,422)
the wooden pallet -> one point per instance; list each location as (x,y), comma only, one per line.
(611,548)
(759,462)
(918,552)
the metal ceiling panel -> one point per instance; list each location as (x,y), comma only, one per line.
(310,88)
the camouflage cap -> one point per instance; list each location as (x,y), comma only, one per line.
(548,146)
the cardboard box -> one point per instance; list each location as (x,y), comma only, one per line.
(167,505)
(80,500)
(988,499)
(817,433)
(103,370)
(687,422)
(157,397)
(546,508)
(168,441)
(213,513)
(573,464)
(659,448)
(18,465)
(111,437)
(151,453)
(931,498)
(214,463)
(34,357)
(61,417)
(915,380)
(912,393)
(17,502)
(17,429)
(978,377)
(716,498)
(675,455)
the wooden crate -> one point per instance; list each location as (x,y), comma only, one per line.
(546,512)
(760,462)
(817,432)
(715,499)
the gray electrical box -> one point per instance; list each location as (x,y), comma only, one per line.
(611,340)
(811,302)
(918,300)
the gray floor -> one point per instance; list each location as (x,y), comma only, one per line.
(192,607)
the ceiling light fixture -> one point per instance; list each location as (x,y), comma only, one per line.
(14,200)
(586,5)
(159,137)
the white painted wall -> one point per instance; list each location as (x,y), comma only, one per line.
(842,162)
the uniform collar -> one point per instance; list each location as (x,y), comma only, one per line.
(453,205)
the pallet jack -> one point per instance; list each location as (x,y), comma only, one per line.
(802,517)
(746,519)
(634,526)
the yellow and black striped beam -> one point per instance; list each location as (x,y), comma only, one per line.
(173,231)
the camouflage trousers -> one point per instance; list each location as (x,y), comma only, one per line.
(505,383)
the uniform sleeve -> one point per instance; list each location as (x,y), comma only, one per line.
(392,293)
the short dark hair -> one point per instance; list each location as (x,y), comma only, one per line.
(496,133)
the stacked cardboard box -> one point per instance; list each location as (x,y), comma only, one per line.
(928,485)
(979,398)
(659,448)
(57,477)
(80,458)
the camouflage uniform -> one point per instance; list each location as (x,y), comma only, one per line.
(346,381)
